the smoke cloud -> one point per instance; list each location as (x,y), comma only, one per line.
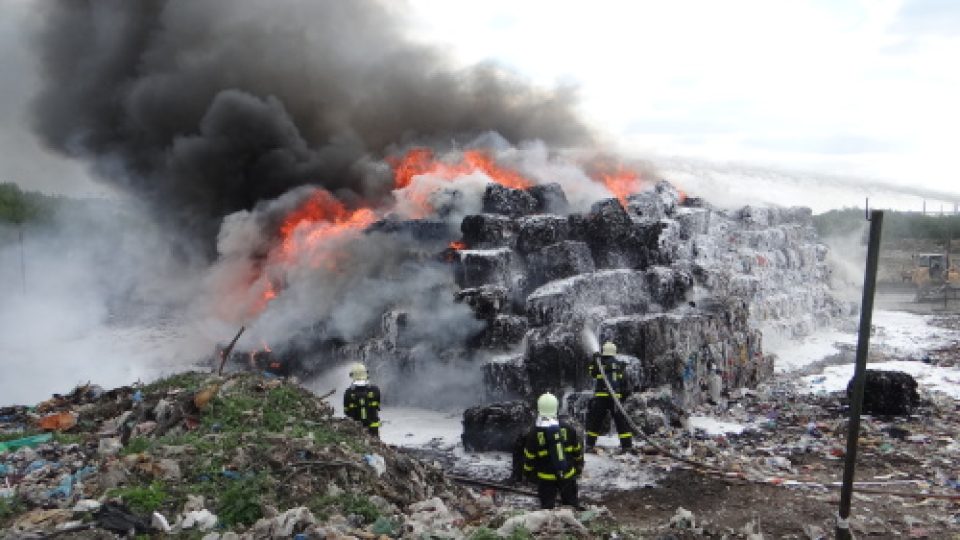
(93,295)
(207,107)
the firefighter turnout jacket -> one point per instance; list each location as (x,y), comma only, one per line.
(615,374)
(361,401)
(552,451)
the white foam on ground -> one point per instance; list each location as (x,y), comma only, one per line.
(713,426)
(930,378)
(895,332)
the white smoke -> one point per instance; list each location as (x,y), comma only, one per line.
(92,298)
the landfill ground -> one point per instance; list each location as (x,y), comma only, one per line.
(249,456)
(914,455)
(770,461)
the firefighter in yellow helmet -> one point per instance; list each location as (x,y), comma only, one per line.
(552,455)
(602,402)
(361,400)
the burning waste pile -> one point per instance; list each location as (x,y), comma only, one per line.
(477,283)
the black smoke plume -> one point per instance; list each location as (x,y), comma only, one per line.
(206,107)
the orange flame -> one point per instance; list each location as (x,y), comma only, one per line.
(420,161)
(619,180)
(321,216)
(304,232)
(455,245)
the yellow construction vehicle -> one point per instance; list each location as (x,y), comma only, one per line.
(934,276)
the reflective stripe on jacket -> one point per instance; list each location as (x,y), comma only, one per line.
(615,374)
(362,403)
(552,453)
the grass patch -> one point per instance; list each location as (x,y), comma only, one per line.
(136,445)
(232,413)
(143,499)
(188,381)
(68,438)
(240,502)
(346,504)
(484,533)
(9,508)
(520,533)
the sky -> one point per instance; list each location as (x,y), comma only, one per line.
(849,92)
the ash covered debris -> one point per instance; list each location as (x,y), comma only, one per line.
(684,289)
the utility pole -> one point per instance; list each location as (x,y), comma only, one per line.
(859,375)
(23,263)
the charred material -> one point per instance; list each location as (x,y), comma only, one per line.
(423,230)
(550,199)
(498,199)
(485,231)
(888,393)
(537,232)
(484,267)
(502,332)
(497,426)
(505,378)
(558,261)
(619,241)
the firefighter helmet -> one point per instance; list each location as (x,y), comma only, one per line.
(358,372)
(609,349)
(547,405)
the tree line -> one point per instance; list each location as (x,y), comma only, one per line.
(896,225)
(26,207)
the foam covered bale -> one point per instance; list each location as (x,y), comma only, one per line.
(501,332)
(536,232)
(505,378)
(555,359)
(558,261)
(550,198)
(496,427)
(484,231)
(566,299)
(424,230)
(679,349)
(486,301)
(618,241)
(484,267)
(656,203)
(668,286)
(498,199)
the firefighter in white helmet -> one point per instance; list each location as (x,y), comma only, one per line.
(602,402)
(361,400)
(552,455)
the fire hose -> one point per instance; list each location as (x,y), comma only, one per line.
(708,469)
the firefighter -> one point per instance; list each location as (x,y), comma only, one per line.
(552,456)
(361,400)
(602,402)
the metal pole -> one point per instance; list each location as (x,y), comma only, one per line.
(856,401)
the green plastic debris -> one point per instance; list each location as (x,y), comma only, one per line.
(33,440)
(384,525)
(587,516)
